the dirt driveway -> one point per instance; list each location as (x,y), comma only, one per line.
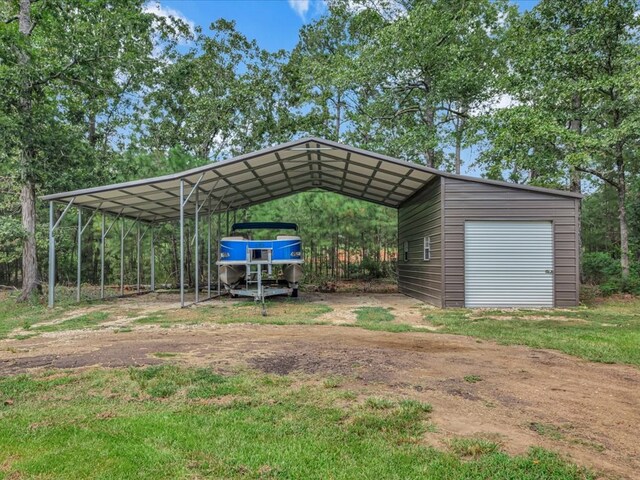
(518,396)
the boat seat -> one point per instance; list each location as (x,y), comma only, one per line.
(287,237)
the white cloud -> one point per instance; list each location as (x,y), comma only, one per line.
(169,13)
(301,7)
(497,102)
(388,9)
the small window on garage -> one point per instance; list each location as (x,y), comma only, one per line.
(427,248)
(406,251)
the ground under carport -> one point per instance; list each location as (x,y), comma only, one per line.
(524,396)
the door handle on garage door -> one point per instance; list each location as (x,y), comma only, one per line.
(548,271)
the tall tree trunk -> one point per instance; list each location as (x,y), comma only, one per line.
(91,129)
(460,123)
(30,277)
(576,126)
(622,215)
(430,120)
(338,116)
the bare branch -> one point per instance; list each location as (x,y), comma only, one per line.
(601,175)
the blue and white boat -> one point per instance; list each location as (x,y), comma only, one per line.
(267,264)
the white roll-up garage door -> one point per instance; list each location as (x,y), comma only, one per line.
(508,264)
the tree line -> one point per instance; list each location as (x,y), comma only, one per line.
(96,91)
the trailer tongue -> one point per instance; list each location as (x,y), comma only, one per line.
(261,268)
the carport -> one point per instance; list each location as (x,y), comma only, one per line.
(463,241)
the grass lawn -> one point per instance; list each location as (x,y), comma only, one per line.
(605,332)
(23,315)
(173,422)
(284,312)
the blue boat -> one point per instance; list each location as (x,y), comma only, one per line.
(261,262)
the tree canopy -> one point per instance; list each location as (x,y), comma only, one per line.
(93,92)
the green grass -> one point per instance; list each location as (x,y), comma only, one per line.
(87,320)
(283,312)
(373,315)
(26,336)
(171,422)
(31,315)
(608,332)
(164,354)
(15,315)
(472,379)
(564,434)
(472,447)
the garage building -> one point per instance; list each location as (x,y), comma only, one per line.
(463,241)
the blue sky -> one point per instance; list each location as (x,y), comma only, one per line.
(273,23)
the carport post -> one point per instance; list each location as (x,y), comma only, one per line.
(138,257)
(52,256)
(218,254)
(104,216)
(182,242)
(197,241)
(79,272)
(209,250)
(153,260)
(122,257)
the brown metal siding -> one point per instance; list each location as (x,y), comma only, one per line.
(419,217)
(464,200)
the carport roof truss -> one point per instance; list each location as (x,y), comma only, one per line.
(297,166)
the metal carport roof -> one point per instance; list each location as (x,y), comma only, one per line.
(297,166)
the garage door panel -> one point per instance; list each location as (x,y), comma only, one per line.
(508,264)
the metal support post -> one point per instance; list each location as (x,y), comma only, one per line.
(122,257)
(138,258)
(197,250)
(209,250)
(218,254)
(182,242)
(153,260)
(79,270)
(52,256)
(102,235)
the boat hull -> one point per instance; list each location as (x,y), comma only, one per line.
(232,275)
(293,274)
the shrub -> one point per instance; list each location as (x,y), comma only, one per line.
(599,268)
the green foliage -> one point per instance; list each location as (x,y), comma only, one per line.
(422,72)
(602,269)
(341,237)
(599,267)
(100,93)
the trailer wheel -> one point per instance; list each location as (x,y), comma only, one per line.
(294,293)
